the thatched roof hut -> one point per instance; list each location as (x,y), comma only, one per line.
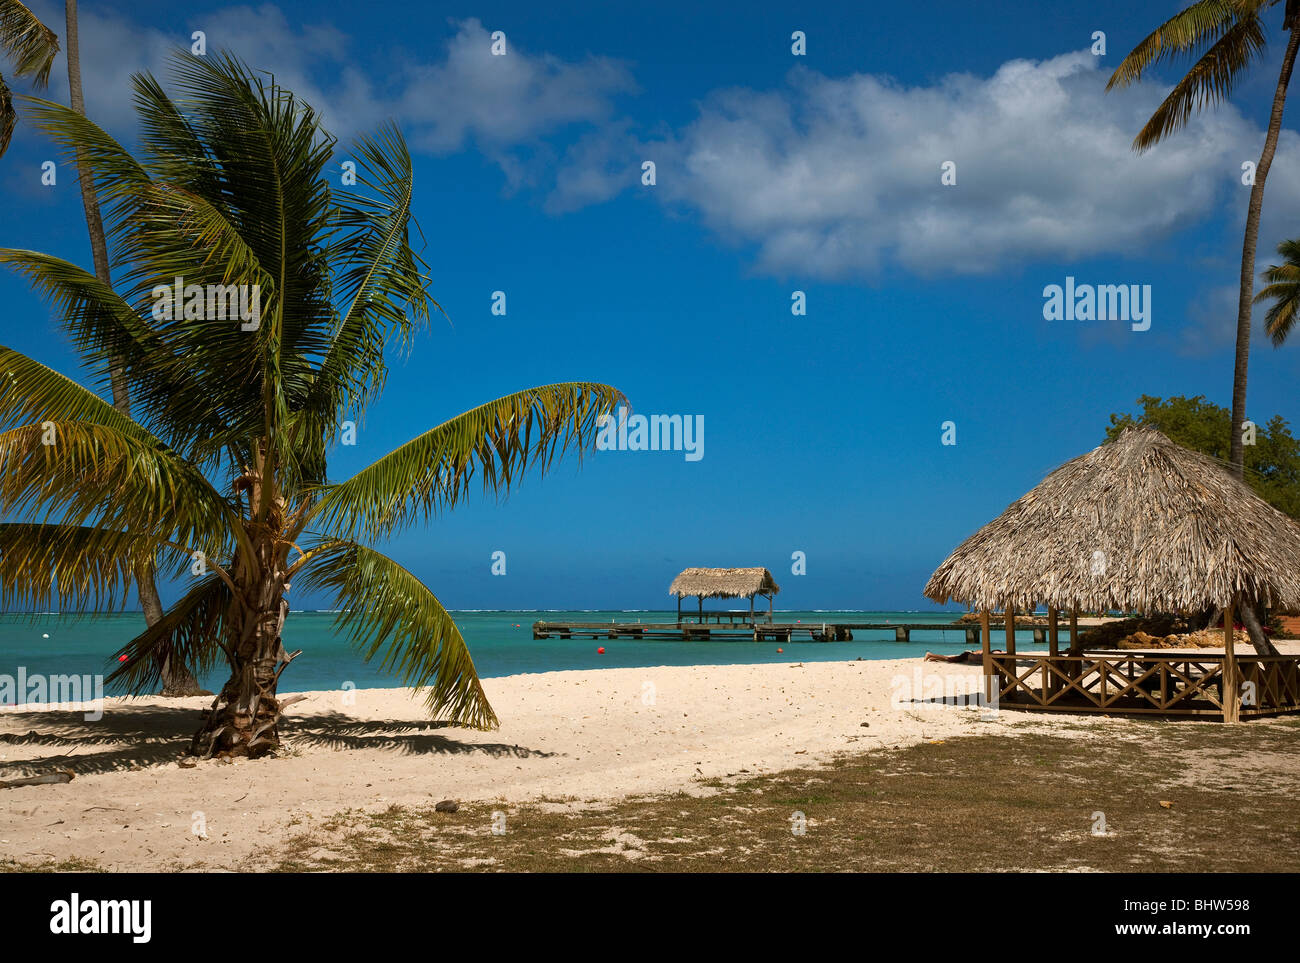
(1137,524)
(724,583)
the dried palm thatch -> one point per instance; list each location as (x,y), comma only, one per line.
(1138,524)
(724,583)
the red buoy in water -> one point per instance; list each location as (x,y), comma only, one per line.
(601,650)
(780,650)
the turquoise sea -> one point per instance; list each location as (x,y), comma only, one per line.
(501,643)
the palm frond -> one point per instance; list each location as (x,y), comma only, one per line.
(94,474)
(382,282)
(8,115)
(32,47)
(386,608)
(496,441)
(263,166)
(30,44)
(69,567)
(1197,25)
(167,387)
(29,391)
(112,171)
(192,631)
(1283,289)
(1209,81)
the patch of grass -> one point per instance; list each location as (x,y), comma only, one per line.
(71,865)
(981,803)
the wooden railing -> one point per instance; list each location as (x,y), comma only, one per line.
(1118,682)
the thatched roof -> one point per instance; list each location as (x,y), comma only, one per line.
(1138,524)
(724,583)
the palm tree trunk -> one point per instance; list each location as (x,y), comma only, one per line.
(94,221)
(1250,618)
(244,718)
(1246,293)
(176,677)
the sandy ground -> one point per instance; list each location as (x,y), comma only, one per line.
(588,736)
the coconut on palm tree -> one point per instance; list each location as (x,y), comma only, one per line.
(1227,36)
(222,471)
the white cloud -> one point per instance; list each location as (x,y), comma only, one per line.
(462,94)
(504,100)
(841,177)
(824,177)
(598,166)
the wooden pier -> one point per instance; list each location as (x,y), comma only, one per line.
(757,630)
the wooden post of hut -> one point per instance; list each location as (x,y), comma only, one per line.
(1231,684)
(987,642)
(1010,612)
(1053,646)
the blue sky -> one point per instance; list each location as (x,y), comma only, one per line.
(775,173)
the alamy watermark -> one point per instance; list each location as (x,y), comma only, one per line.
(941,690)
(213,302)
(126,917)
(1102,302)
(53,692)
(653,433)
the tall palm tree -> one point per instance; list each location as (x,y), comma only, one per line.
(32,47)
(224,461)
(1283,289)
(1231,34)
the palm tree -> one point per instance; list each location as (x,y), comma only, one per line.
(1283,289)
(1232,34)
(32,47)
(222,469)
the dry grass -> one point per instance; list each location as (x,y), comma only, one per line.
(982,803)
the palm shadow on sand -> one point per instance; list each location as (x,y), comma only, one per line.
(142,736)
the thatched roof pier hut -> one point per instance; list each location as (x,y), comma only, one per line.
(1138,524)
(724,583)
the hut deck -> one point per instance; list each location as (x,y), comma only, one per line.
(1176,683)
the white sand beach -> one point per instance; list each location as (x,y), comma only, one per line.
(584,736)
